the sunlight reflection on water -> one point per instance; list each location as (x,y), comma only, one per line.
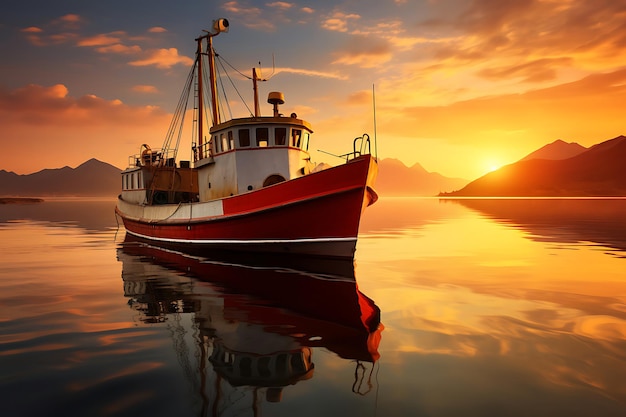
(534,289)
(490,307)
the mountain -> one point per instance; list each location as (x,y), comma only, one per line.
(396,179)
(598,171)
(556,150)
(92,178)
(96,178)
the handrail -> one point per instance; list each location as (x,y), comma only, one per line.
(154,157)
(364,147)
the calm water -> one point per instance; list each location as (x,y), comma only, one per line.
(488,308)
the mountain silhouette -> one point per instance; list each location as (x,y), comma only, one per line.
(96,178)
(599,171)
(91,178)
(396,179)
(558,149)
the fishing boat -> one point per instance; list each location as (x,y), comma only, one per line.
(250,184)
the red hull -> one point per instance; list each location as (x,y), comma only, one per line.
(317,214)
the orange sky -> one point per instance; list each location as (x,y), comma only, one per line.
(462,86)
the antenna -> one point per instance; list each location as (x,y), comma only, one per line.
(374,104)
(273,70)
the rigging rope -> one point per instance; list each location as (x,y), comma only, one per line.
(176,125)
(236,70)
(179,114)
(224,92)
(221,62)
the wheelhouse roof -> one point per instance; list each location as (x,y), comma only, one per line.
(251,121)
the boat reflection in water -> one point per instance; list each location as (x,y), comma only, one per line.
(254,322)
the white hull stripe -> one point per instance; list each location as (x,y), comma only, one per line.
(244,242)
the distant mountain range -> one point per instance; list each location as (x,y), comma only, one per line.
(558,170)
(92,178)
(96,178)
(396,179)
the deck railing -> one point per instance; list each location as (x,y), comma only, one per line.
(360,146)
(152,157)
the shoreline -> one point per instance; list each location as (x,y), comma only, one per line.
(20,200)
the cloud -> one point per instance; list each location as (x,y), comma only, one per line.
(373,43)
(70,18)
(534,71)
(102,39)
(266,18)
(145,89)
(32,29)
(359,98)
(550,34)
(37,118)
(36,104)
(250,16)
(281,5)
(234,7)
(33,35)
(109,43)
(119,49)
(540,115)
(38,37)
(67,25)
(364,51)
(162,58)
(310,73)
(69,21)
(338,21)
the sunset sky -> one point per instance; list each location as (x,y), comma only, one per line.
(462,86)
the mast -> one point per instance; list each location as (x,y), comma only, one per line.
(212,80)
(219,26)
(200,98)
(256,92)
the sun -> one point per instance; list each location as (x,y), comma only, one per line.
(491,165)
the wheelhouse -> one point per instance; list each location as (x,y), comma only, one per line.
(246,154)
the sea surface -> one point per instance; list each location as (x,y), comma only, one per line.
(473,307)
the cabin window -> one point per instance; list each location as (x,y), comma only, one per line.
(296,134)
(217,144)
(305,141)
(132,180)
(280,136)
(262,137)
(224,142)
(231,140)
(244,138)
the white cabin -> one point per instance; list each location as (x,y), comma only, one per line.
(250,153)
